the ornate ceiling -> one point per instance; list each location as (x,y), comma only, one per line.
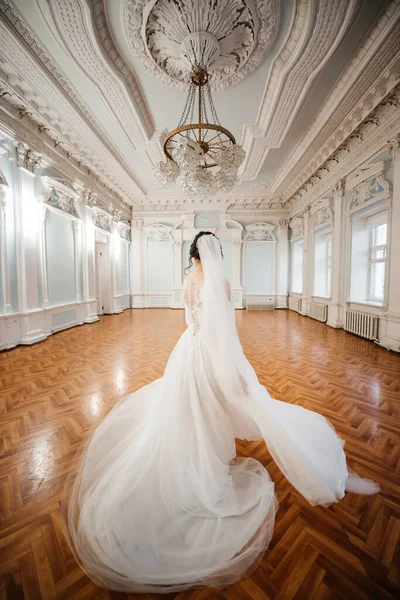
(100,83)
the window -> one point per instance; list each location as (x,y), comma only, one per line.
(322,264)
(368,257)
(377,258)
(297,267)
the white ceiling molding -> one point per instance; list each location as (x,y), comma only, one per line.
(371,140)
(371,73)
(126,72)
(318,28)
(74,92)
(27,131)
(163,35)
(37,90)
(72,19)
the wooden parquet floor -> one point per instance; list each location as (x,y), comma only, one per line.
(53,393)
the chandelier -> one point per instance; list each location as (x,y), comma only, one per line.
(201,155)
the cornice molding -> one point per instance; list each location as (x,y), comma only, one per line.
(128,75)
(317,30)
(374,133)
(61,130)
(369,77)
(26,131)
(72,19)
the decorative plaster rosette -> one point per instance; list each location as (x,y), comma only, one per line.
(232,37)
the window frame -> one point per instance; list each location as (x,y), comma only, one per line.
(295,242)
(373,249)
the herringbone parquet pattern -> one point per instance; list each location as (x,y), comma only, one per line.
(53,393)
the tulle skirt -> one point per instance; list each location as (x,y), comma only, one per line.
(161,503)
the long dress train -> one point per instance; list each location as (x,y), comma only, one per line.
(161,502)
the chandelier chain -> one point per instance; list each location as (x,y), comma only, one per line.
(211,103)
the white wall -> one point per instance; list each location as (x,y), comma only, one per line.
(47,259)
(60,259)
(256,257)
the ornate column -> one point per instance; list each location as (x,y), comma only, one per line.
(177,300)
(136,264)
(114,263)
(28,246)
(5,280)
(88,260)
(307,283)
(282,264)
(77,257)
(335,309)
(42,214)
(237,287)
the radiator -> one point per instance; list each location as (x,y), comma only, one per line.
(363,324)
(254,305)
(318,311)
(295,304)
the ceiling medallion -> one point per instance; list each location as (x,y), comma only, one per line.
(232,35)
(202,156)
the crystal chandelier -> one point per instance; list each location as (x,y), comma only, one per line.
(201,156)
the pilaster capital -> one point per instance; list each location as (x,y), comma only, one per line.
(137,224)
(283,223)
(394,148)
(338,188)
(88,198)
(27,159)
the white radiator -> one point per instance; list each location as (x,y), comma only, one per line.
(254,305)
(318,311)
(295,304)
(363,324)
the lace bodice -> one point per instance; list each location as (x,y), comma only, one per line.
(193,301)
(192,298)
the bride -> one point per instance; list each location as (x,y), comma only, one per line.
(161,503)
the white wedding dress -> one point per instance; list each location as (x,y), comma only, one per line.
(161,503)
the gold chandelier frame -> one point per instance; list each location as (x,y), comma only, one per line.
(211,137)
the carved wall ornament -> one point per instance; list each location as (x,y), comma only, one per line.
(3,180)
(157,232)
(102,220)
(27,159)
(283,223)
(372,190)
(137,224)
(124,231)
(3,186)
(59,195)
(394,148)
(115,213)
(235,35)
(323,216)
(260,232)
(297,227)
(338,188)
(88,198)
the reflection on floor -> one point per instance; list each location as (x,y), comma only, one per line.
(52,393)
